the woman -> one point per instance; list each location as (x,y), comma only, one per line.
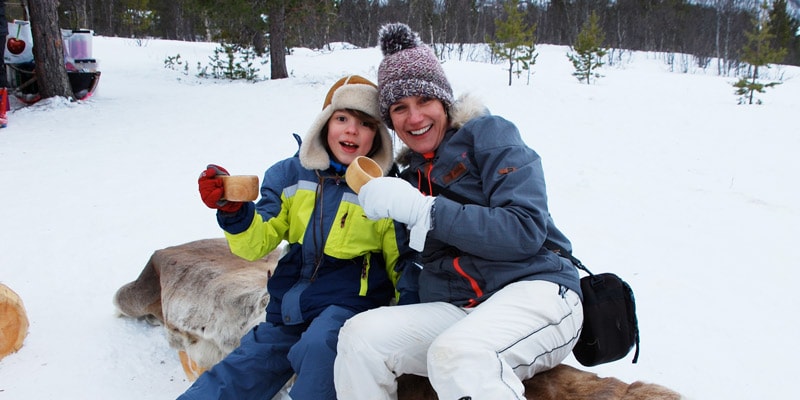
(497,305)
(337,263)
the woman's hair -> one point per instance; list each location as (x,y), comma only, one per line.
(368,120)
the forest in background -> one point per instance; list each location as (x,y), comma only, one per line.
(705,29)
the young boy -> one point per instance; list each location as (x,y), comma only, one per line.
(337,262)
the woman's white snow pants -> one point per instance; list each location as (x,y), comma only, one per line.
(483,352)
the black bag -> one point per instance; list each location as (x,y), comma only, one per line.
(610,327)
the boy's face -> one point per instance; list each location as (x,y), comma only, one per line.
(349,137)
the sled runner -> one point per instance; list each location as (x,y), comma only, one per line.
(22,79)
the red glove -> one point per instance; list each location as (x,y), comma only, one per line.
(212,192)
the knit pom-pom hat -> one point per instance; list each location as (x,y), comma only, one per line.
(408,68)
(351,92)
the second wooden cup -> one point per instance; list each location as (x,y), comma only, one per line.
(361,171)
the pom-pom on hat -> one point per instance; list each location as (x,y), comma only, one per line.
(351,92)
(408,68)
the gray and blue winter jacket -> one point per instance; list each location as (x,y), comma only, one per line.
(490,218)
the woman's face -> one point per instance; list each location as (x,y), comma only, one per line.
(349,137)
(420,122)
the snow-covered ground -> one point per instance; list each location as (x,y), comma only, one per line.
(655,175)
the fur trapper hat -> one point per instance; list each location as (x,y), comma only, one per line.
(408,68)
(351,92)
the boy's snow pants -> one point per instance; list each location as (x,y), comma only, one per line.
(269,355)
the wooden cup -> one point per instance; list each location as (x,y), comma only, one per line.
(361,171)
(240,187)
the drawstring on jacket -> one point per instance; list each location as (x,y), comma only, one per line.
(318,227)
(429,168)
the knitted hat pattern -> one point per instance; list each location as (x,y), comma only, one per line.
(351,92)
(408,68)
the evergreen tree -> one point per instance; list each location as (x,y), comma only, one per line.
(588,53)
(239,22)
(139,19)
(515,42)
(758,52)
(785,28)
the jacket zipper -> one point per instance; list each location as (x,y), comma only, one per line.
(364,273)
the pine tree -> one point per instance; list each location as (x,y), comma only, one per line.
(758,52)
(786,29)
(515,42)
(588,53)
(51,74)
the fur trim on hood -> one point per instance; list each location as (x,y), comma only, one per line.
(353,92)
(466,108)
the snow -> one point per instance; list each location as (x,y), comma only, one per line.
(657,176)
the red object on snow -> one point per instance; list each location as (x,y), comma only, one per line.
(4,107)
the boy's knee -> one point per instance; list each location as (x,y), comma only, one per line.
(318,347)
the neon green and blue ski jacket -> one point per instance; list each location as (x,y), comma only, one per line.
(334,254)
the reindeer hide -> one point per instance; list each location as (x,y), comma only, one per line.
(206,297)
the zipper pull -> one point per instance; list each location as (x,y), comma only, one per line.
(364,268)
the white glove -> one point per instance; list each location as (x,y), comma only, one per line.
(396,199)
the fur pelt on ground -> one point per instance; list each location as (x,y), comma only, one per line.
(560,383)
(206,297)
